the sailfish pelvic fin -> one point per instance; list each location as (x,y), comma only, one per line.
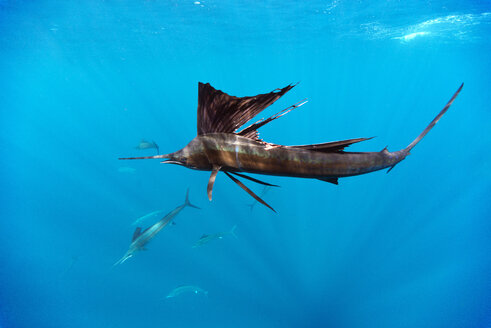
(254,180)
(250,192)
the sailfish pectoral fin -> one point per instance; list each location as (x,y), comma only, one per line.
(211,182)
(250,192)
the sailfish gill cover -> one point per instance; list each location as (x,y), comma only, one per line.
(86,82)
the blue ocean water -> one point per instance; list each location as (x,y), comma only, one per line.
(82,82)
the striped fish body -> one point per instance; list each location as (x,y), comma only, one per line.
(235,153)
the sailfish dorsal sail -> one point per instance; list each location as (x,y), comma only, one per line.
(219,112)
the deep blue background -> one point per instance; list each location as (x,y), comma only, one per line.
(82,82)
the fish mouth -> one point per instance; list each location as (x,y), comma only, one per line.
(172,161)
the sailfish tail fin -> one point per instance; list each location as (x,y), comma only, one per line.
(435,120)
(404,152)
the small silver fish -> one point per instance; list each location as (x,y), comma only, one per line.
(147,216)
(147,145)
(186,289)
(204,239)
(141,238)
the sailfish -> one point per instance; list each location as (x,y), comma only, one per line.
(221,144)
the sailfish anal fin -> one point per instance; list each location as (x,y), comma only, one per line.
(211,182)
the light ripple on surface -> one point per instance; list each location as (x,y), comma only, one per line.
(456,27)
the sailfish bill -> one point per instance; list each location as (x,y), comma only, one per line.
(221,146)
(145,157)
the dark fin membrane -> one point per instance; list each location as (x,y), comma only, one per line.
(211,182)
(136,234)
(252,179)
(331,180)
(330,147)
(219,112)
(250,192)
(251,130)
